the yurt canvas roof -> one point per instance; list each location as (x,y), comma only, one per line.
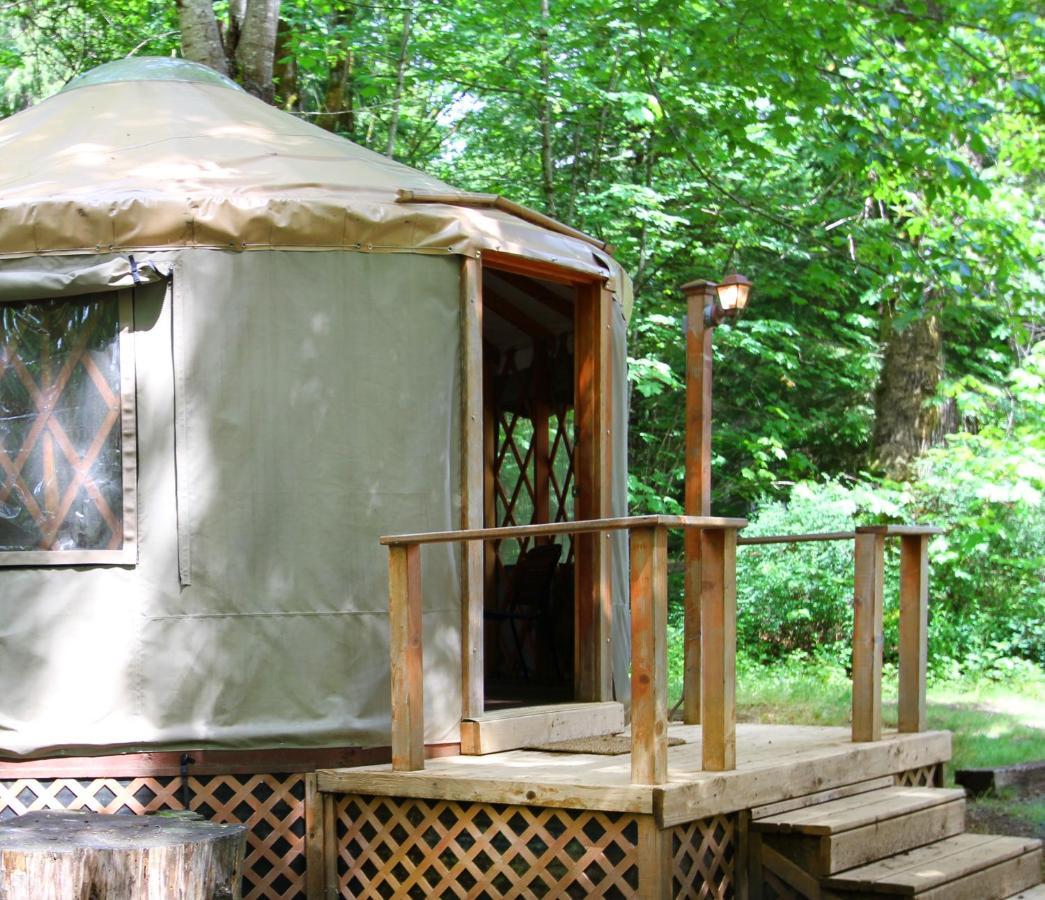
(163,153)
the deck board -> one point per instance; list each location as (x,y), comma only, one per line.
(774,762)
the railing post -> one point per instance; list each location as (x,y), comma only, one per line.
(869,561)
(404,616)
(914,619)
(699,294)
(718,643)
(649,655)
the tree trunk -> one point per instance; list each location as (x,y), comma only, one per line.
(232,32)
(576,154)
(595,146)
(237,13)
(547,162)
(60,855)
(907,421)
(285,70)
(256,48)
(338,99)
(339,96)
(200,37)
(644,160)
(397,96)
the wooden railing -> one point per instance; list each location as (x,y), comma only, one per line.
(869,564)
(649,632)
(649,605)
(868,631)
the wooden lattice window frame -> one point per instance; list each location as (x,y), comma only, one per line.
(542,464)
(123,549)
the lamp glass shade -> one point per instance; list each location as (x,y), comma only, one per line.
(733,291)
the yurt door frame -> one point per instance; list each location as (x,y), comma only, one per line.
(592,474)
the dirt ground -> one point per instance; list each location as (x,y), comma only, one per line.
(985,818)
(992,815)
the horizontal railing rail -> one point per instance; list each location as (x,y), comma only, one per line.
(649,620)
(868,624)
(583,526)
(796,538)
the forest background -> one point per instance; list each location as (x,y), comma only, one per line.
(874,166)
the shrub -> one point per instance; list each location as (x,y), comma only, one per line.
(798,597)
(986,489)
(987,571)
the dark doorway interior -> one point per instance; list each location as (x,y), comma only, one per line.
(528,399)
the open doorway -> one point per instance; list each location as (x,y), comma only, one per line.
(529,382)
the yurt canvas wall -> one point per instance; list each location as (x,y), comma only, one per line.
(289,389)
(291,407)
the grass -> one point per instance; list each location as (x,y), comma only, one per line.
(995,724)
(992,723)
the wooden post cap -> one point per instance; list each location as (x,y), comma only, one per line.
(700,286)
(58,853)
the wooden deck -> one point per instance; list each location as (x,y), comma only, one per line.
(657,820)
(774,763)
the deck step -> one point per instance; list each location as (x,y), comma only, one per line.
(964,867)
(852,831)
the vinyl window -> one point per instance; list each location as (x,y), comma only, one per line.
(67,443)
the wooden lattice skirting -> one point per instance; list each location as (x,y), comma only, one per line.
(703,857)
(923,776)
(394,847)
(272,806)
(415,848)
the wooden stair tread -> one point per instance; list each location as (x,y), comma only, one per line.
(826,854)
(920,870)
(857,811)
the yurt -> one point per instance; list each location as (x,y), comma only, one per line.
(235,350)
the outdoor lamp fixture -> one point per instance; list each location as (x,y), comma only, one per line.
(732,293)
(729,298)
(707,304)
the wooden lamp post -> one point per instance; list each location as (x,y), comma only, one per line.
(707,304)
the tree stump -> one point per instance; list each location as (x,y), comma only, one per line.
(92,856)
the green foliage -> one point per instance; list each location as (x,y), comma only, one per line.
(988,488)
(46,43)
(797,598)
(987,586)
